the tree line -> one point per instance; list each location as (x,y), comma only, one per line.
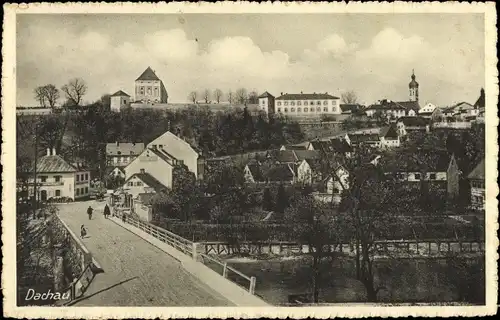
(239,96)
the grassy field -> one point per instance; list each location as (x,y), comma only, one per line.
(428,281)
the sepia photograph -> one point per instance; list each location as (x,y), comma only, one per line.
(263,157)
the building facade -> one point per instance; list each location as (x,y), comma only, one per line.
(266,102)
(307,104)
(56,178)
(119,100)
(149,88)
(477,186)
(120,154)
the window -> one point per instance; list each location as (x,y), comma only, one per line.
(299,103)
(86,176)
(57,178)
(325,103)
(142,90)
(299,109)
(292,103)
(312,109)
(77,178)
(279,109)
(318,103)
(417,176)
(325,109)
(286,103)
(433,176)
(77,191)
(318,109)
(305,103)
(156,91)
(306,109)
(43,178)
(149,90)
(130,184)
(279,103)
(58,193)
(139,183)
(286,109)
(86,189)
(334,109)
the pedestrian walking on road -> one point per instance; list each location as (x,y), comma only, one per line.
(83,231)
(89,212)
(106,211)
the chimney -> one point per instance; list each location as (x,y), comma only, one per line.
(143,171)
(53,151)
(48,151)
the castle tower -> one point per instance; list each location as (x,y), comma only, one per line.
(413,87)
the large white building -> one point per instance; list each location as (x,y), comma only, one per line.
(149,88)
(266,102)
(307,104)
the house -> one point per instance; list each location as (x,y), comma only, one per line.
(266,102)
(437,167)
(389,137)
(393,109)
(351,108)
(293,147)
(142,182)
(157,162)
(427,109)
(149,88)
(435,115)
(119,100)
(334,186)
(291,156)
(408,124)
(180,150)
(116,172)
(477,184)
(120,154)
(56,178)
(480,107)
(269,173)
(307,104)
(363,139)
(460,111)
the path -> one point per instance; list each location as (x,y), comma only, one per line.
(136,273)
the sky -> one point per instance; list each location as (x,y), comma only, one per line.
(370,54)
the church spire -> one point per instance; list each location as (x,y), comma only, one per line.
(413,86)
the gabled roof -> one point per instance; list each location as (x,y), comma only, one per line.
(388,132)
(53,163)
(124,148)
(480,103)
(266,95)
(414,121)
(350,107)
(165,156)
(306,96)
(255,170)
(295,147)
(386,105)
(340,145)
(478,172)
(149,180)
(306,154)
(410,105)
(279,173)
(363,137)
(148,74)
(120,93)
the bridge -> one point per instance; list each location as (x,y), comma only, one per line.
(142,271)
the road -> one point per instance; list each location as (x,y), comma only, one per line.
(136,273)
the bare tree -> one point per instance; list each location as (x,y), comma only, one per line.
(206,95)
(253,97)
(230,96)
(217,95)
(241,95)
(349,97)
(192,96)
(74,91)
(47,95)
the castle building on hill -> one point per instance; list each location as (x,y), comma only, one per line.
(149,88)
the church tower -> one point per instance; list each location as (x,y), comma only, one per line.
(413,87)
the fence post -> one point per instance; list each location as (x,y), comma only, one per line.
(195,252)
(224,270)
(252,285)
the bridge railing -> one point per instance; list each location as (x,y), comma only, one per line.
(183,245)
(229,272)
(190,248)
